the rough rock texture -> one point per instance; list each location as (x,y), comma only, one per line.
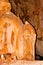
(32,11)
(17,40)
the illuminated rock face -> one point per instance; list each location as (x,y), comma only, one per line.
(9,27)
(16,38)
(26,42)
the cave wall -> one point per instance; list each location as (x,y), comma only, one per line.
(31,11)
